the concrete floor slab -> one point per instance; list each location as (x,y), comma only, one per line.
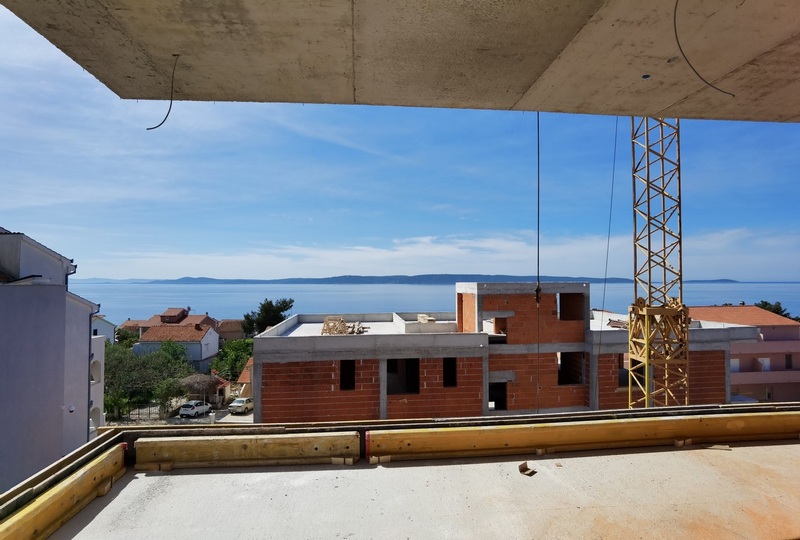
(737,491)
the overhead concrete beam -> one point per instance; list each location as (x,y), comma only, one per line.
(617,57)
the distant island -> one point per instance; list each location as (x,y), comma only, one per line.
(422,279)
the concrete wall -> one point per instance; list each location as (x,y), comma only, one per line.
(32,339)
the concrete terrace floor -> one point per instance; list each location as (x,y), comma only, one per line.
(722,491)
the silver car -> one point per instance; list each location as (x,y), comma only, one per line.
(241,405)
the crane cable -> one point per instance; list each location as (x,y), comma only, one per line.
(538,244)
(608,236)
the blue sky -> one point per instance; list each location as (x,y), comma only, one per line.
(253,190)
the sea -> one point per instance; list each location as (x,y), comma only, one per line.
(122,301)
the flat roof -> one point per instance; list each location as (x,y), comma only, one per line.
(739,490)
(617,57)
(307,325)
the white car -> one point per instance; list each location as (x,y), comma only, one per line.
(194,408)
(241,405)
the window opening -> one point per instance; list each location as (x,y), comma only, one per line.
(449,372)
(347,375)
(570,368)
(570,306)
(498,396)
(402,376)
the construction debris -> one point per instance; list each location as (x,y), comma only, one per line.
(335,325)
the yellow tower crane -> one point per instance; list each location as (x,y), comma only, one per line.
(658,322)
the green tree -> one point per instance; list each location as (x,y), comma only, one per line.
(175,351)
(127,338)
(131,378)
(776,308)
(269,314)
(232,358)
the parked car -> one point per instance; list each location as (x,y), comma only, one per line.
(194,408)
(241,405)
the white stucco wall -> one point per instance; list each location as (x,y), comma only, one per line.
(96,387)
(76,373)
(32,344)
(210,344)
(22,256)
(10,245)
(104,328)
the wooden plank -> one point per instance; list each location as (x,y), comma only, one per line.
(244,450)
(627,433)
(21,494)
(52,509)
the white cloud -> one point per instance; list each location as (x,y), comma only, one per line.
(509,254)
(735,254)
(744,255)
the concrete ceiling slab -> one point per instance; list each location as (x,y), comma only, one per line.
(582,56)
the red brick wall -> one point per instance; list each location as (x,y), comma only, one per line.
(706,377)
(436,401)
(522,393)
(309,392)
(611,395)
(532,325)
(706,380)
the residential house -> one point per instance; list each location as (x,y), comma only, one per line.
(245,387)
(201,342)
(768,367)
(170,317)
(103,327)
(230,329)
(223,389)
(45,336)
(500,352)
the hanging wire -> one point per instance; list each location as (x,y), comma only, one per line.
(610,213)
(608,236)
(678,41)
(538,243)
(538,210)
(171,93)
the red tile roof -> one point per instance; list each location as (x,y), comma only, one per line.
(746,315)
(189,320)
(132,325)
(230,325)
(177,333)
(221,383)
(173,311)
(200,319)
(244,378)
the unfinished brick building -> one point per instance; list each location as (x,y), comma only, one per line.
(500,352)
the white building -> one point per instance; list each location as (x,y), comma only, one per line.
(45,334)
(103,327)
(201,342)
